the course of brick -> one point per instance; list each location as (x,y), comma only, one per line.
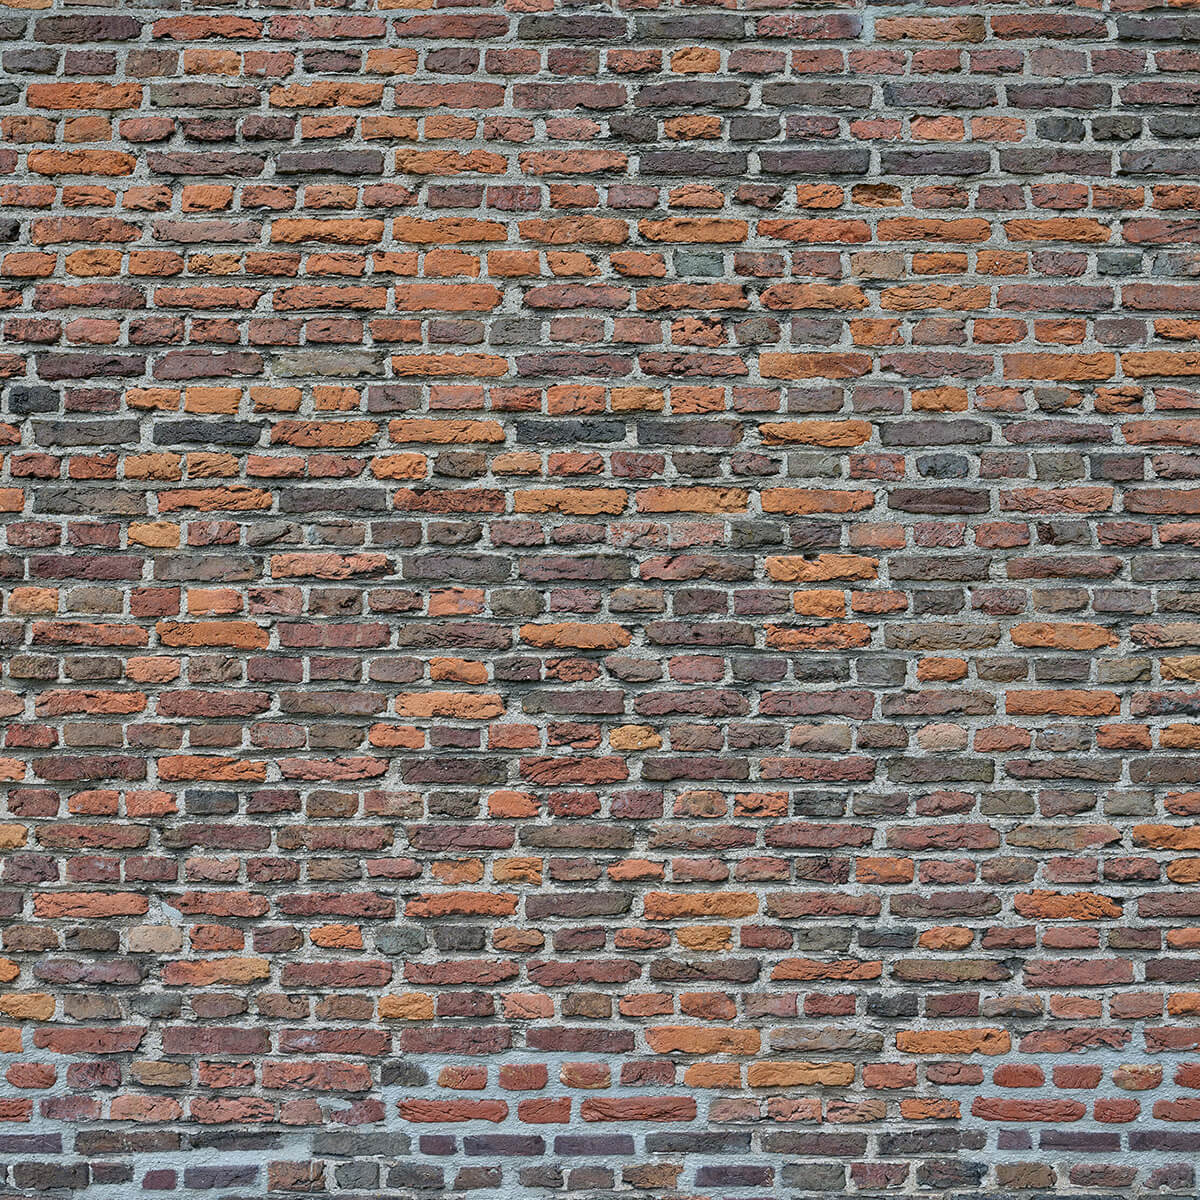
(600,598)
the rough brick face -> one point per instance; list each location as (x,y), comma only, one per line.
(599,598)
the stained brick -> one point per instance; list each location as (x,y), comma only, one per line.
(598,599)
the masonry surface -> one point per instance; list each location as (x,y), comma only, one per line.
(599,599)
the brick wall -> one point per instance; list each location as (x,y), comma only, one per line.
(599,598)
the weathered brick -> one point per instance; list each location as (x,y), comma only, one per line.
(587,587)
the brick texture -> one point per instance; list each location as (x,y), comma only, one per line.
(599,598)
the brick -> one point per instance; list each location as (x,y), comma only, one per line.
(576,583)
